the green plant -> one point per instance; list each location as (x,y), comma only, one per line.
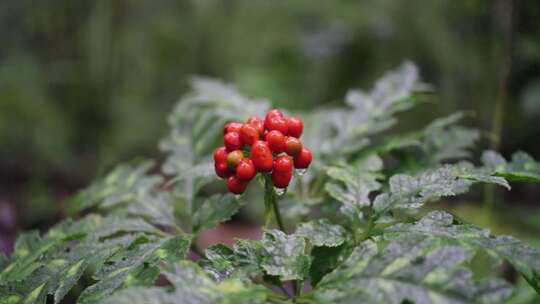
(353,230)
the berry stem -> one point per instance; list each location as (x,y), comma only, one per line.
(271,208)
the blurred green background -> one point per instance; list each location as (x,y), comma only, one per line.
(87,84)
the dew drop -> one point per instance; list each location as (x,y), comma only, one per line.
(279,191)
(301,171)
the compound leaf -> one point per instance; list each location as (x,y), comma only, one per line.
(441,225)
(408,270)
(191,285)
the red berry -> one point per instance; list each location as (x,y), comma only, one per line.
(234,158)
(245,170)
(235,185)
(295,126)
(302,160)
(281,179)
(249,134)
(234,126)
(220,154)
(261,156)
(276,123)
(276,141)
(273,113)
(293,146)
(283,164)
(232,141)
(222,169)
(257,122)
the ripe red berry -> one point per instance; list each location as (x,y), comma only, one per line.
(234,158)
(234,126)
(302,160)
(249,134)
(222,169)
(235,185)
(257,122)
(283,164)
(295,126)
(273,113)
(245,170)
(220,155)
(293,146)
(281,179)
(261,155)
(276,141)
(232,141)
(276,123)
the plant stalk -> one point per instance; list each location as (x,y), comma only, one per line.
(271,208)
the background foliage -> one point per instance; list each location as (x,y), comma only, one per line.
(84,85)
(357,231)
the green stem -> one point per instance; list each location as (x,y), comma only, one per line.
(271,207)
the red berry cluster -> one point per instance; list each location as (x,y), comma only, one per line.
(269,145)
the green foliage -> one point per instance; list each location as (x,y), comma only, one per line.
(410,269)
(522,167)
(360,237)
(192,285)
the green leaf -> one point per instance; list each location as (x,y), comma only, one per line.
(156,209)
(351,185)
(412,192)
(442,142)
(123,267)
(367,113)
(285,256)
(322,233)
(326,259)
(522,167)
(243,260)
(442,225)
(413,270)
(191,285)
(125,183)
(214,210)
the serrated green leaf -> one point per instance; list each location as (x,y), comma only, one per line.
(191,285)
(214,210)
(522,167)
(124,265)
(322,233)
(408,270)
(123,184)
(367,113)
(114,224)
(442,141)
(241,261)
(442,225)
(412,192)
(156,209)
(285,256)
(352,185)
